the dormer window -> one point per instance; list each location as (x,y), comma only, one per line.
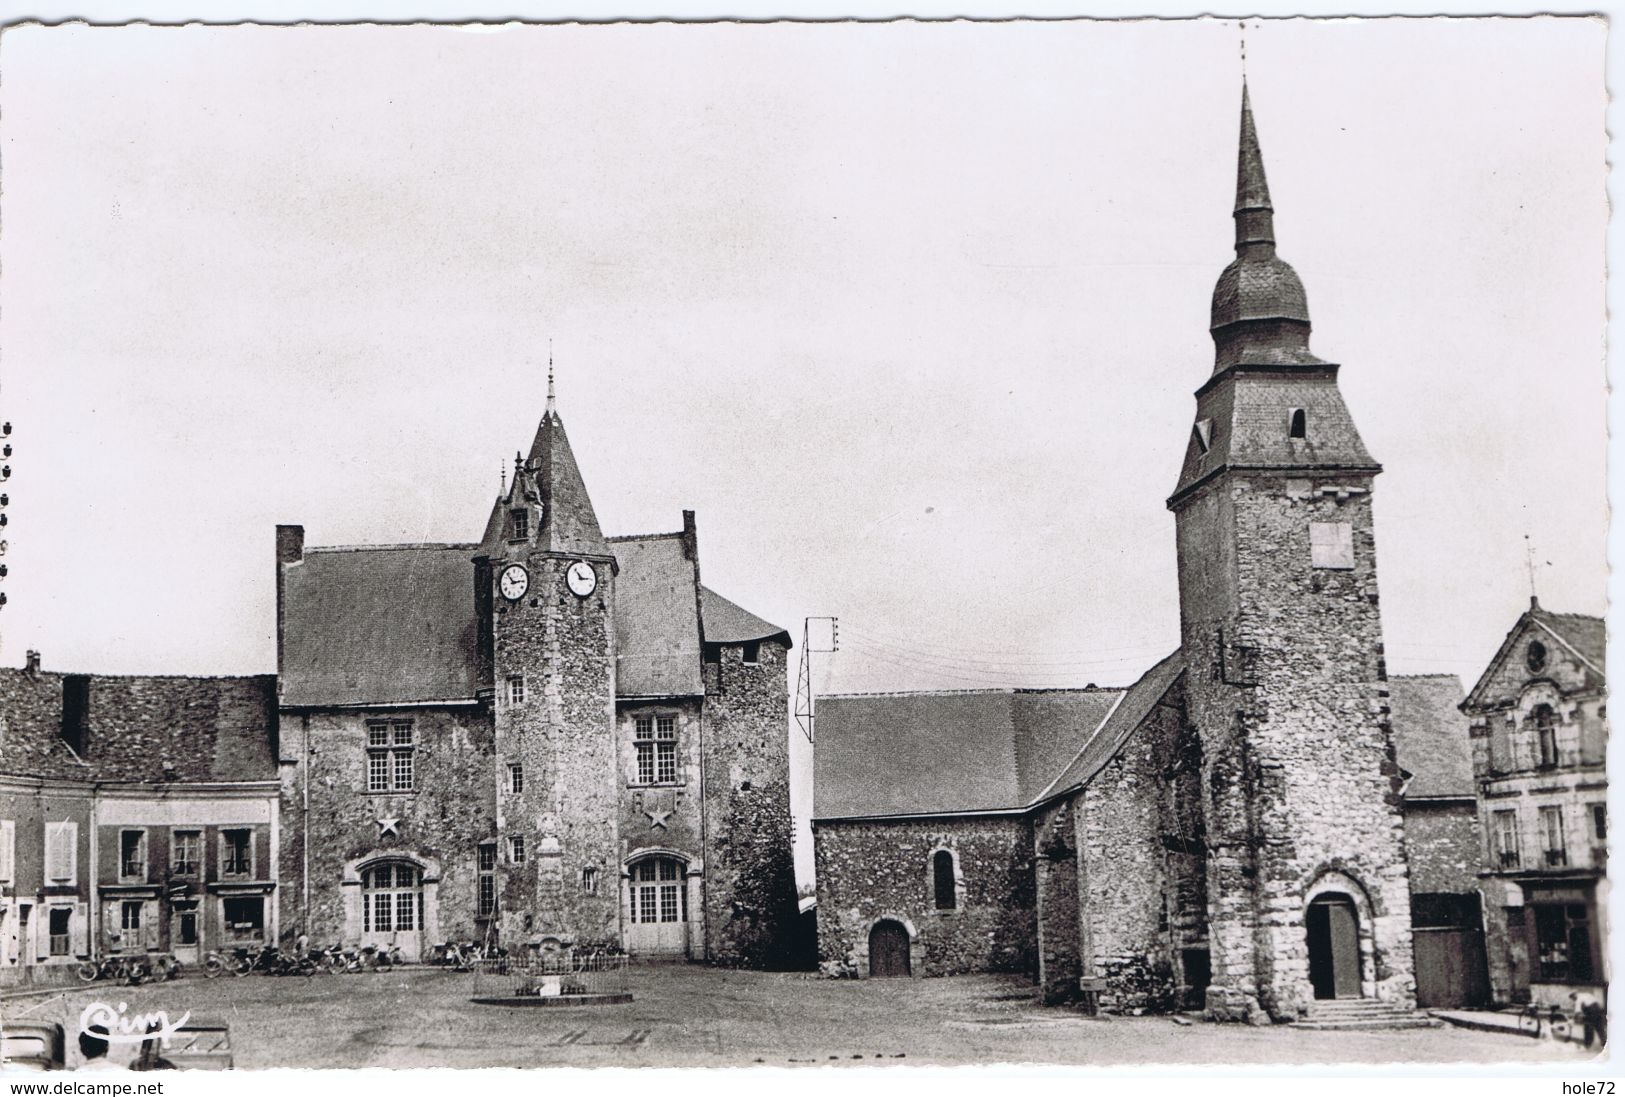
(521,523)
(1299,426)
(1203,434)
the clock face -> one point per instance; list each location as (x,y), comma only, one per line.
(581,578)
(514,582)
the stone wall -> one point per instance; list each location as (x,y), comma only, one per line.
(1443,842)
(1287,684)
(1055,881)
(1141,843)
(873,870)
(564,736)
(441,822)
(750,887)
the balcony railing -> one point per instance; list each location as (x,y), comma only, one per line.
(1509,858)
(1556,858)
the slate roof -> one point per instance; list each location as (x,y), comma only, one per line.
(1136,705)
(657,618)
(726,623)
(915,754)
(391,624)
(1587,635)
(1430,735)
(205,729)
(569,523)
(956,752)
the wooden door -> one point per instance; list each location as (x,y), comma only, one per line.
(888,949)
(1451,970)
(1333,932)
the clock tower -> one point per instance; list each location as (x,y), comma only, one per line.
(1308,888)
(544,587)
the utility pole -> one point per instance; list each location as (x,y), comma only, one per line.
(804,688)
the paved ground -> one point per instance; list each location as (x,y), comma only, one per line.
(692,1016)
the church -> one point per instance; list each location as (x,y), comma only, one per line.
(1228,832)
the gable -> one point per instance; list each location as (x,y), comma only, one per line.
(1574,658)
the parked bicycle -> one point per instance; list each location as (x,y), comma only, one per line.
(132,970)
(165,967)
(1553,1021)
(254,958)
(216,964)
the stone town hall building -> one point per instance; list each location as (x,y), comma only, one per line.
(1232,820)
(544,738)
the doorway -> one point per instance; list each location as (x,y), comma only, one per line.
(888,949)
(1333,931)
(392,908)
(183,939)
(659,914)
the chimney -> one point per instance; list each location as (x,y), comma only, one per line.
(32,666)
(290,549)
(691,544)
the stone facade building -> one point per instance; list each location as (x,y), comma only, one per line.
(541,739)
(1539,725)
(137,814)
(1231,829)
(546,738)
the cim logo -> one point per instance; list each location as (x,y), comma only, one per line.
(132,1029)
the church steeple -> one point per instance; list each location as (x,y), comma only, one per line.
(1260,313)
(1255,217)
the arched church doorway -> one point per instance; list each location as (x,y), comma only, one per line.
(1333,930)
(888,948)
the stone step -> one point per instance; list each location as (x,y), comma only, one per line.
(1403,1020)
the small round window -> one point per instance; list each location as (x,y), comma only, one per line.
(1536,657)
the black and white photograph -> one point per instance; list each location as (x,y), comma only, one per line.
(950,631)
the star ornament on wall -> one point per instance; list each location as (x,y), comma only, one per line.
(390,827)
(658,819)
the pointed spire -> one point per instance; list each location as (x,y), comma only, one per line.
(1255,216)
(552,404)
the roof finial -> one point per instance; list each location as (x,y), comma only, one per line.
(1529,557)
(502,476)
(1243,26)
(552,406)
(518,465)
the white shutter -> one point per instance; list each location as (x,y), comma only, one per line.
(8,851)
(79,929)
(61,852)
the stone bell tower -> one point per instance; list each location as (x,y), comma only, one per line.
(544,583)
(1308,890)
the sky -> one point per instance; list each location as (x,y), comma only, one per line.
(910,314)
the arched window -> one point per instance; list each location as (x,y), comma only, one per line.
(1546,733)
(942,879)
(391,898)
(1300,424)
(1535,657)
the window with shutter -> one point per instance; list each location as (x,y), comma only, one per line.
(61,852)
